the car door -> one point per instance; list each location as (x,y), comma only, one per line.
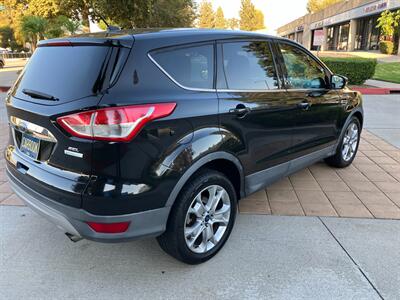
(254,107)
(307,83)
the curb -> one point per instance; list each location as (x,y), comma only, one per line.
(376,91)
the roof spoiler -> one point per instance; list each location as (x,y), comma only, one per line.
(114,41)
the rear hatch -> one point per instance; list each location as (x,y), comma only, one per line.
(64,76)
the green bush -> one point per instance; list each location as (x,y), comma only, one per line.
(357,70)
(386,47)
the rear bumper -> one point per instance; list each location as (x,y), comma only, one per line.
(74,220)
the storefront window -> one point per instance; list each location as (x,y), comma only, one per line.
(375,34)
(344,31)
(367,36)
(299,38)
(338,37)
(331,39)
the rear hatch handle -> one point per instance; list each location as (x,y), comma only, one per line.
(22,168)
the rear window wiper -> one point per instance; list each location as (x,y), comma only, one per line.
(39,95)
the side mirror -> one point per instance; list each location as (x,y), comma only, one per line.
(338,82)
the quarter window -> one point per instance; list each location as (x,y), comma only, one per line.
(191,67)
(249,66)
(303,72)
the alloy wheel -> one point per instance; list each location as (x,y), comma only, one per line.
(207,219)
(350,142)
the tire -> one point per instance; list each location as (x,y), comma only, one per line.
(1,64)
(187,234)
(350,140)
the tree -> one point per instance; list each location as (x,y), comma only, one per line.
(33,28)
(62,25)
(317,5)
(14,11)
(6,36)
(233,23)
(146,13)
(171,13)
(206,15)
(78,10)
(259,20)
(71,26)
(54,28)
(388,22)
(43,8)
(220,21)
(250,17)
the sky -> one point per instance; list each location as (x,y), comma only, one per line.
(276,12)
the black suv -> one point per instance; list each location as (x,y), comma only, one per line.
(158,133)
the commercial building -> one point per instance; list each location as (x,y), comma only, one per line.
(345,26)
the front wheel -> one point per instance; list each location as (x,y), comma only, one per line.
(202,218)
(347,149)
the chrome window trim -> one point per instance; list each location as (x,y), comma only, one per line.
(208,90)
(176,82)
(308,90)
(250,91)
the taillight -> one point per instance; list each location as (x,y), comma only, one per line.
(116,124)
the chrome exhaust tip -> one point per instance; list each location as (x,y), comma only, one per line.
(73,238)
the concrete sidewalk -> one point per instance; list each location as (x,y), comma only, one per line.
(382,117)
(380,57)
(383,84)
(267,257)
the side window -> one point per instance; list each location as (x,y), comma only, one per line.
(303,72)
(249,66)
(191,67)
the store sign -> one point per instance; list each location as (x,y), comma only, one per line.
(300,28)
(359,12)
(319,37)
(375,7)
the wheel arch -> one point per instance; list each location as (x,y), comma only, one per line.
(359,116)
(223,162)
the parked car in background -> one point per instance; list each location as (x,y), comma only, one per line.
(2,62)
(160,133)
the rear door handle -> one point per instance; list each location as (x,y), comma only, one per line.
(241,111)
(303,105)
(315,94)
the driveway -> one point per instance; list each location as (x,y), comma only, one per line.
(382,117)
(267,257)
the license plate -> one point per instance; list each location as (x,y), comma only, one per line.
(30,146)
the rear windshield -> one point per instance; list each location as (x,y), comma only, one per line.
(66,73)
